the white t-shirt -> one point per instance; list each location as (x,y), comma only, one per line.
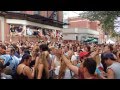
(67,73)
(56,62)
(73,58)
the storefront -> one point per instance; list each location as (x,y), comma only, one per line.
(80,34)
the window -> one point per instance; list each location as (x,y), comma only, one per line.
(77,38)
(55,15)
(37,12)
(15,11)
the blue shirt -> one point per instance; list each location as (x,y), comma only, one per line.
(14,63)
(6,58)
(17,55)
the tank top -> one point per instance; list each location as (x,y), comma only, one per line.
(56,62)
(116,69)
(43,74)
(32,63)
(21,76)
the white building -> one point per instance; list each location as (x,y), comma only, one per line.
(79,34)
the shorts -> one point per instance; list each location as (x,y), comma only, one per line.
(12,33)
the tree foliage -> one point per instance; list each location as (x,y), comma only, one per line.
(107,19)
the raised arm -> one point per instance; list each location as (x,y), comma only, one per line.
(70,66)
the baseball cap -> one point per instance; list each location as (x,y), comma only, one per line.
(83,54)
(109,56)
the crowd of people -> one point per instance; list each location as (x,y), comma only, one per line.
(59,60)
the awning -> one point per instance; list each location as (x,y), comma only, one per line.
(92,40)
(25,22)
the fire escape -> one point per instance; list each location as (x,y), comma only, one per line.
(54,16)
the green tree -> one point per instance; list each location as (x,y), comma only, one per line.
(107,19)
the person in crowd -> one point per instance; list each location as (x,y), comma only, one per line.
(34,55)
(14,61)
(0,42)
(2,49)
(107,49)
(44,47)
(22,51)
(2,74)
(23,70)
(66,49)
(17,52)
(62,72)
(56,62)
(8,70)
(42,66)
(86,69)
(113,67)
(118,56)
(65,72)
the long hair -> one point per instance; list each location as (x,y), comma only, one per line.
(36,50)
(62,69)
(25,57)
(43,59)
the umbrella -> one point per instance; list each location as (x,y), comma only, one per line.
(94,40)
(88,39)
(110,41)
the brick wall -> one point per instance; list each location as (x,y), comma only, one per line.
(43,13)
(78,24)
(0,31)
(60,16)
(6,31)
(93,25)
(82,23)
(48,13)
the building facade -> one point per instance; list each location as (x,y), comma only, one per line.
(48,20)
(80,29)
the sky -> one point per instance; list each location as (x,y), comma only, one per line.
(117,29)
(71,14)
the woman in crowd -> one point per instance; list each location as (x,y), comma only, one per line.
(42,66)
(34,55)
(23,70)
(63,72)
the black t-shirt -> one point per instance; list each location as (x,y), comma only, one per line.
(12,29)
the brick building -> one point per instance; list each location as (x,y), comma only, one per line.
(41,19)
(81,29)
